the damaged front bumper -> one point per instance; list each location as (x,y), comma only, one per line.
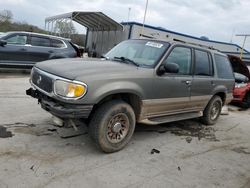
(60,109)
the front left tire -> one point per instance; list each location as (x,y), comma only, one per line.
(112,125)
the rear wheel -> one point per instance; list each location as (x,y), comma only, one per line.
(212,111)
(112,125)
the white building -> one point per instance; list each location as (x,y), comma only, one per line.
(102,41)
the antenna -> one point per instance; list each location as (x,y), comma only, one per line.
(144,17)
(244,41)
(129,10)
(231,41)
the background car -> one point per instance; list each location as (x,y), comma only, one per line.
(241,91)
(24,49)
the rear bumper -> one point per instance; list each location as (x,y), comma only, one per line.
(59,109)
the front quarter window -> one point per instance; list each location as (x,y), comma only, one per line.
(17,39)
(142,52)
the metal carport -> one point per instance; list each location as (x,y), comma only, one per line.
(96,21)
(99,26)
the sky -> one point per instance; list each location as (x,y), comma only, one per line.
(219,20)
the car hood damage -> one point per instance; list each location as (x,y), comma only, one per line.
(239,66)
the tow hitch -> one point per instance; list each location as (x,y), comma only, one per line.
(33,93)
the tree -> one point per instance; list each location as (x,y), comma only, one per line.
(64,28)
(6,16)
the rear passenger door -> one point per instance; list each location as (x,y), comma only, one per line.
(203,79)
(40,48)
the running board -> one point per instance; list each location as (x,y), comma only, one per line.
(171,118)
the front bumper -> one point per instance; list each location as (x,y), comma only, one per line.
(60,109)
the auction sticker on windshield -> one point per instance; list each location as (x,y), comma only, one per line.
(154,44)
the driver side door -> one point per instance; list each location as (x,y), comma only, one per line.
(172,90)
(16,50)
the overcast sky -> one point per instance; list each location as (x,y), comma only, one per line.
(217,19)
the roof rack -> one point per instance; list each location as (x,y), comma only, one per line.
(209,47)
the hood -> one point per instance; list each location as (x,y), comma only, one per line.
(73,68)
(239,66)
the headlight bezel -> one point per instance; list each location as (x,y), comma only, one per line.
(69,82)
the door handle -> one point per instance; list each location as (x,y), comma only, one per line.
(50,51)
(23,49)
(187,82)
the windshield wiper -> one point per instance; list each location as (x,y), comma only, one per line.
(124,59)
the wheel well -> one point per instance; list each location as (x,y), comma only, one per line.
(222,96)
(132,99)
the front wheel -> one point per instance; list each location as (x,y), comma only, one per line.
(112,125)
(212,111)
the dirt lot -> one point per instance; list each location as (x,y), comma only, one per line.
(185,154)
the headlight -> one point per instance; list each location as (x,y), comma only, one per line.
(240,85)
(70,90)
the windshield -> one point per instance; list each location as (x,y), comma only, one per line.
(142,52)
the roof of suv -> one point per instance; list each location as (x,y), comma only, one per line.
(194,45)
(40,34)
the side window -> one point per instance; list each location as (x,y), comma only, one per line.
(203,64)
(57,43)
(40,41)
(224,68)
(17,39)
(182,57)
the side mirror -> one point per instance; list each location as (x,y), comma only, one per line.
(3,42)
(168,68)
(171,68)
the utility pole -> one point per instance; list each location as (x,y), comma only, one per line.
(129,10)
(144,17)
(244,41)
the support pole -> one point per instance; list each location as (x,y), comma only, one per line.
(243,45)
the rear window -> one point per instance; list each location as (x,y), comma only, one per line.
(224,69)
(203,64)
(40,41)
(57,43)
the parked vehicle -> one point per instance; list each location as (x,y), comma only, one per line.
(142,81)
(241,91)
(24,49)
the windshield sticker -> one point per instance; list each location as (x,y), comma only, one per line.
(154,44)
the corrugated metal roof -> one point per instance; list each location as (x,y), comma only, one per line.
(92,20)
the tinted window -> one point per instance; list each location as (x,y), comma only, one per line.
(203,66)
(182,57)
(223,67)
(57,43)
(40,41)
(17,39)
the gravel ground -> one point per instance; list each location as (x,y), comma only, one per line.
(181,154)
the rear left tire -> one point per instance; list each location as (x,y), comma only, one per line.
(212,111)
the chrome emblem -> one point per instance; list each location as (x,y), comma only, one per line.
(39,80)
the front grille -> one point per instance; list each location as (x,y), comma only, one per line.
(42,81)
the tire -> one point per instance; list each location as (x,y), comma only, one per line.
(112,125)
(246,101)
(212,111)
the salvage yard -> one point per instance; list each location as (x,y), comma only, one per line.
(35,153)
